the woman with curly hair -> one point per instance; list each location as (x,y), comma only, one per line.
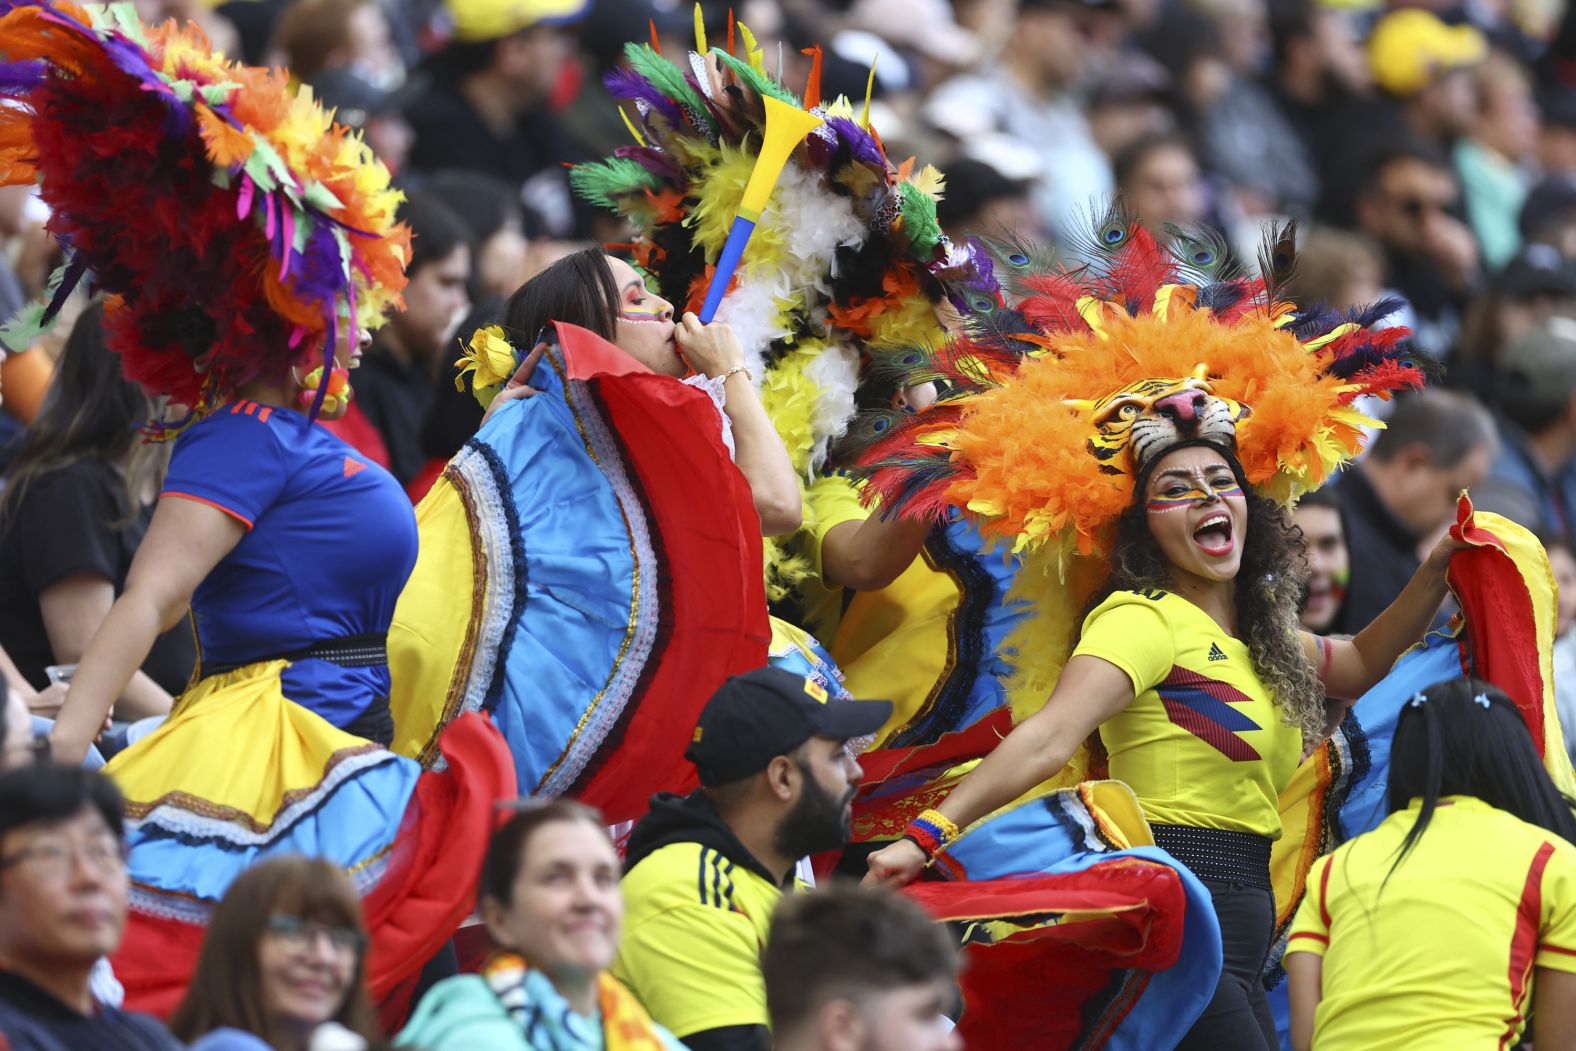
(1157,475)
(1193,671)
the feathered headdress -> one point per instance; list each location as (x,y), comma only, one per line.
(238,230)
(1056,405)
(846,253)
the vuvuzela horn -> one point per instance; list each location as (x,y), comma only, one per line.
(786,127)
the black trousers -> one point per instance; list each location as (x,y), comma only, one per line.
(1238,1017)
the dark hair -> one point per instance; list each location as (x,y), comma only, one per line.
(843,941)
(506,852)
(578,289)
(1269,587)
(1325,496)
(1381,160)
(483,202)
(48,792)
(1132,156)
(435,230)
(90,413)
(1448,424)
(226,986)
(454,416)
(972,187)
(1450,744)
(1289,22)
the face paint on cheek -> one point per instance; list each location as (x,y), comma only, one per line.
(1163,504)
(1338,585)
(640,316)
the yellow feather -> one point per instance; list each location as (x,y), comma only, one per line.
(640,140)
(752,50)
(870,87)
(930,181)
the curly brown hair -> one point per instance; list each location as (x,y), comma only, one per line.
(1269,587)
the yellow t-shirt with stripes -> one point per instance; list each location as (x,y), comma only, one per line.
(694,927)
(1442,959)
(1203,743)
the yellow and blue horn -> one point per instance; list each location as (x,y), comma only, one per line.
(786,127)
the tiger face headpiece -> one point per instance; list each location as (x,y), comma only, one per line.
(1180,350)
(1134,425)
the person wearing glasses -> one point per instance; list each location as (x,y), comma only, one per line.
(284,958)
(63,891)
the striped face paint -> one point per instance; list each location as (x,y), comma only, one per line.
(636,315)
(1201,493)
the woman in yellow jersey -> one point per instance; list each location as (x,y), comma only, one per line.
(1438,930)
(1166,489)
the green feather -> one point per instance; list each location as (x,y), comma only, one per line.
(19,333)
(919,219)
(603,183)
(757,83)
(668,79)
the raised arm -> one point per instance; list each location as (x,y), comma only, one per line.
(714,350)
(185,540)
(1350,668)
(869,555)
(1089,692)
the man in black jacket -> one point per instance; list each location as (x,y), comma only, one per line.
(63,888)
(704,871)
(1398,500)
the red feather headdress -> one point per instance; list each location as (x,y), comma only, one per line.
(237,229)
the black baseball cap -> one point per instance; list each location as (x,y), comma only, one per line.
(757,716)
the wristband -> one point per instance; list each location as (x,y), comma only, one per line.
(931,831)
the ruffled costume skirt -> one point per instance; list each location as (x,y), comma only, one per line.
(240,773)
(936,642)
(589,573)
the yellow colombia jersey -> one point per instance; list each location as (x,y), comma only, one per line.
(1441,958)
(1203,743)
(832,500)
(693,934)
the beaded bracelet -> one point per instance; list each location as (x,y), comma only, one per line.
(931,831)
(739,368)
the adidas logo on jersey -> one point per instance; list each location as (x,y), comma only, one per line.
(1216,653)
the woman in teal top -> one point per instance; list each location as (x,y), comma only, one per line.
(553,906)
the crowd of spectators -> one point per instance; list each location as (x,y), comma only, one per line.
(1427,152)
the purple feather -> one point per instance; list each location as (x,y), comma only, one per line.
(19,77)
(859,142)
(654,161)
(627,84)
(318,273)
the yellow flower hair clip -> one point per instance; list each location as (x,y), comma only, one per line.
(491,360)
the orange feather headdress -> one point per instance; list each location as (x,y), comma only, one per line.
(1035,437)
